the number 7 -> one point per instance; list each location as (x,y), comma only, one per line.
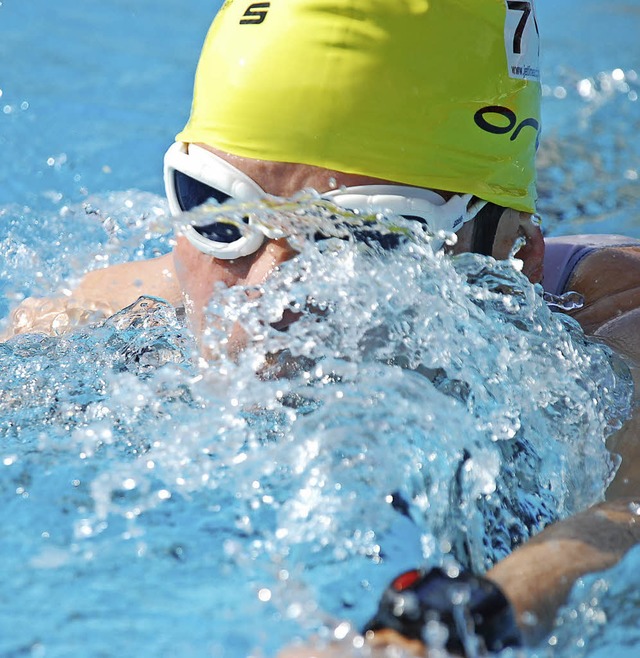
(525,7)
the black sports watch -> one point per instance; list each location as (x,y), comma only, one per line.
(474,610)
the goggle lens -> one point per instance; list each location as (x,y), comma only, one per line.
(192,193)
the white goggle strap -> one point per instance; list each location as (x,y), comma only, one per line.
(410,201)
(208,168)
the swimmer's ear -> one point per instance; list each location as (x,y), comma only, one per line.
(497,230)
(522,230)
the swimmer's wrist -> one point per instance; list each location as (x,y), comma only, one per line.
(419,606)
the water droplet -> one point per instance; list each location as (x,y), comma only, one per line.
(342,630)
(264,594)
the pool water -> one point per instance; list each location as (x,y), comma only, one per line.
(155,504)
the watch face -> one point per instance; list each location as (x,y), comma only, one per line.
(471,608)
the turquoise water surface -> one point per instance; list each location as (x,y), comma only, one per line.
(152,504)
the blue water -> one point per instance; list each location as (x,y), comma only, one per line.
(155,505)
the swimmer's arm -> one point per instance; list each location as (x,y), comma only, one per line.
(99,294)
(538,576)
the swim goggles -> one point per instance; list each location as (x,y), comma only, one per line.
(194,175)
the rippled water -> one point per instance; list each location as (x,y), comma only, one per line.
(420,409)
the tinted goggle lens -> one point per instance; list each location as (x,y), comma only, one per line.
(191,192)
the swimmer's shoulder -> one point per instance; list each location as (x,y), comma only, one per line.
(604,269)
(118,286)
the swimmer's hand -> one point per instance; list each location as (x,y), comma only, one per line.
(381,644)
(54,316)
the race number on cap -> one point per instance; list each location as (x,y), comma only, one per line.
(522,40)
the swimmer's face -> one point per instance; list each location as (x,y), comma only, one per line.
(200,276)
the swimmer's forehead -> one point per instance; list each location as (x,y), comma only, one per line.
(433,93)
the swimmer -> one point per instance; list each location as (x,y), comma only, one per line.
(429,110)
(603,268)
(369,105)
(340,144)
(357,99)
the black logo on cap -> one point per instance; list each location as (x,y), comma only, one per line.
(490,119)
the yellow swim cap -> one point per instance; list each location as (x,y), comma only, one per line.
(432,93)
